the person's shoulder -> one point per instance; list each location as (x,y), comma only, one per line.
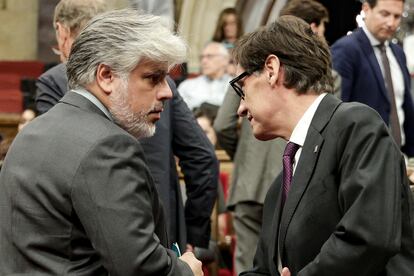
(356,113)
(57,70)
(348,42)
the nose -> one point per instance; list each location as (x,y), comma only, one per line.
(393,22)
(164,91)
(242,110)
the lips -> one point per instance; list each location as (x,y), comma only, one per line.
(157,110)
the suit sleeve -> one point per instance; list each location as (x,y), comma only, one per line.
(225,124)
(371,185)
(50,88)
(199,165)
(113,196)
(343,61)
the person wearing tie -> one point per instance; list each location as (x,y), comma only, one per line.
(374,70)
(342,204)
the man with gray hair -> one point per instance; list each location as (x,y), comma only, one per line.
(89,205)
(212,85)
(177,134)
(69,19)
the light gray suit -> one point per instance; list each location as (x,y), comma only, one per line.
(78,199)
(256,164)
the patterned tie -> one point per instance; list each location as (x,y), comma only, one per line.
(288,158)
(394,122)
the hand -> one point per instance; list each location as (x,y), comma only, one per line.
(189,248)
(194,264)
(285,272)
(410,174)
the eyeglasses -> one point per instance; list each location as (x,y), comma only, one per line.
(210,56)
(236,86)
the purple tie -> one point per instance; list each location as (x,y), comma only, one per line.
(288,158)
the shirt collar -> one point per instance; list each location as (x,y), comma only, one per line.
(301,129)
(374,42)
(85,93)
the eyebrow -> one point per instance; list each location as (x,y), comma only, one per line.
(157,72)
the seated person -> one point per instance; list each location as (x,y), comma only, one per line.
(212,84)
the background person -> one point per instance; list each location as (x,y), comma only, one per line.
(374,71)
(229,28)
(211,86)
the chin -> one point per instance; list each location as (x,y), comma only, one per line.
(263,136)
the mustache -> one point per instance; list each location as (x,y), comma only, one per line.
(157,108)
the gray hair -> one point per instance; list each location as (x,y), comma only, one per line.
(222,49)
(121,39)
(74,14)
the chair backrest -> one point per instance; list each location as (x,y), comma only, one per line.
(9,81)
(31,69)
(11,101)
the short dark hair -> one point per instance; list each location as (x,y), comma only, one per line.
(309,10)
(373,3)
(304,57)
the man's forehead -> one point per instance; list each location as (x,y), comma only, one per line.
(153,65)
(212,49)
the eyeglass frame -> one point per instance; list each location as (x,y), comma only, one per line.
(237,87)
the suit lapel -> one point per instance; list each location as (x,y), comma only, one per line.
(372,59)
(307,162)
(300,181)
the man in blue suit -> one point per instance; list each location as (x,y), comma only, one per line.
(374,71)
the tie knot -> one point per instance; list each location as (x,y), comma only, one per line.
(381,47)
(291,149)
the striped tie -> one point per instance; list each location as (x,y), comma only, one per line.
(288,158)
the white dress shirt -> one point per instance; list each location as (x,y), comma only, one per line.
(202,89)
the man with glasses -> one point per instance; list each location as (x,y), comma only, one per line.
(212,85)
(342,205)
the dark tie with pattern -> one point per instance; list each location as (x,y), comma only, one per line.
(394,122)
(288,158)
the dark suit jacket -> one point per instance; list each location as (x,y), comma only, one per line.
(349,211)
(177,134)
(78,199)
(51,87)
(256,163)
(362,81)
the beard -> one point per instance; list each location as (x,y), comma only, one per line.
(136,124)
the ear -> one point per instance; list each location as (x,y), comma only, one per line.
(64,39)
(366,7)
(314,27)
(272,69)
(105,78)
